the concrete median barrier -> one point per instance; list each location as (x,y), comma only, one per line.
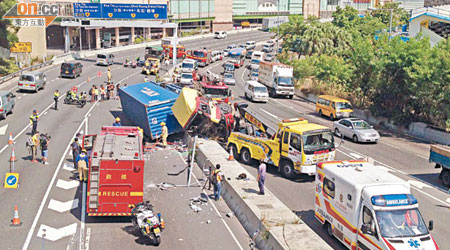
(265,218)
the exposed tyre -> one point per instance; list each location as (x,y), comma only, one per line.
(3,116)
(291,96)
(287,169)
(320,112)
(336,132)
(332,117)
(246,156)
(156,240)
(329,229)
(355,138)
(446,178)
(234,150)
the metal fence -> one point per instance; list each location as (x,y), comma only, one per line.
(18,73)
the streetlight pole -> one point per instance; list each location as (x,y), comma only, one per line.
(278,21)
(390,23)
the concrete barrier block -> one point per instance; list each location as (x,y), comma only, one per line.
(265,218)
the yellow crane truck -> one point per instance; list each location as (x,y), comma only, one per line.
(296,147)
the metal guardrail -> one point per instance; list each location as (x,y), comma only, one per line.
(18,73)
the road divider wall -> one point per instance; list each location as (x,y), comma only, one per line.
(419,130)
(270,223)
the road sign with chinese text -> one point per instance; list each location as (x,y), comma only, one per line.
(120,11)
(21,47)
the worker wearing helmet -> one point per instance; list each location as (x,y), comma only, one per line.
(82,162)
(117,122)
(164,133)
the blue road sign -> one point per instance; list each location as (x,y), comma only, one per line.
(120,11)
(87,10)
(11,180)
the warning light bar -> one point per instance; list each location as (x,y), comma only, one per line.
(293,120)
(392,200)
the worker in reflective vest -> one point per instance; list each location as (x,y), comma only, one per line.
(164,133)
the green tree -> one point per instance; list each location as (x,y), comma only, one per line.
(399,15)
(345,17)
(6,36)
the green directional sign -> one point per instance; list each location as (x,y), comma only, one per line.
(95,1)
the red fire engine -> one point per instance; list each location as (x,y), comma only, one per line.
(116,171)
(202,56)
(181,51)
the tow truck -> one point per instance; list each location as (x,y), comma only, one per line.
(116,171)
(296,147)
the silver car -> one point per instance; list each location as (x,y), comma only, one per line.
(357,129)
(228,78)
(186,79)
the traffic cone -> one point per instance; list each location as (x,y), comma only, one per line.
(10,141)
(89,79)
(230,156)
(16,221)
(13,156)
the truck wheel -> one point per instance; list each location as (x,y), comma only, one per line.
(331,117)
(287,169)
(320,112)
(446,178)
(291,96)
(329,229)
(234,150)
(246,156)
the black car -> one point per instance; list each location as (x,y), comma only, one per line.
(71,70)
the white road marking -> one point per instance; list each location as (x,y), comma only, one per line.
(418,184)
(20,97)
(62,207)
(3,129)
(45,112)
(88,238)
(54,234)
(68,167)
(423,157)
(83,218)
(274,116)
(24,94)
(215,209)
(44,200)
(356,156)
(389,144)
(70,153)
(67,184)
(448,200)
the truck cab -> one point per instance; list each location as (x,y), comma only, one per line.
(366,207)
(296,147)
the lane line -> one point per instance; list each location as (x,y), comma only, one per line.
(389,144)
(83,200)
(274,116)
(215,208)
(44,200)
(423,157)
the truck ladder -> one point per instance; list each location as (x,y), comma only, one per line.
(93,188)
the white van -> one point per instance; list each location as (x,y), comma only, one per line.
(257,57)
(189,65)
(220,34)
(105,59)
(216,55)
(267,47)
(250,45)
(366,207)
(256,92)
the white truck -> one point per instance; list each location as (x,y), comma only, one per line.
(277,77)
(366,207)
(270,22)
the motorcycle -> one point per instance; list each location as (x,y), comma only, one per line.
(145,221)
(127,63)
(74,99)
(133,64)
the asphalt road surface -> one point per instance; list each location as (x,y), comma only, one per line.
(402,155)
(49,197)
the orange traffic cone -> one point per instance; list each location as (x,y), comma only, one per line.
(13,156)
(16,221)
(230,156)
(10,141)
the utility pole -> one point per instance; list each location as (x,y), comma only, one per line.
(174,55)
(390,24)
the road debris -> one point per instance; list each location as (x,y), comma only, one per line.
(196,202)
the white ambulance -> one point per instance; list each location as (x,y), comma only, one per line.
(366,207)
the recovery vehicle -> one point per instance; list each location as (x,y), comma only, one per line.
(116,171)
(366,207)
(296,147)
(440,155)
